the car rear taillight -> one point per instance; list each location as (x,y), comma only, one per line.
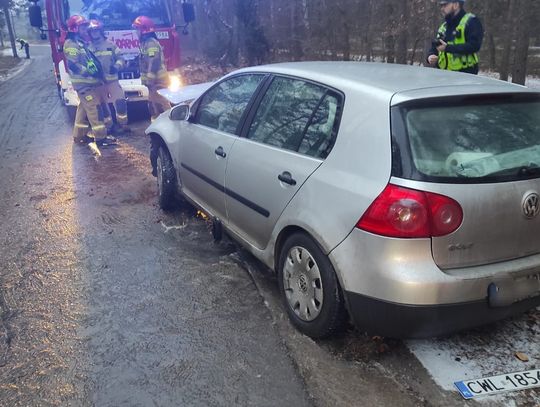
(408,213)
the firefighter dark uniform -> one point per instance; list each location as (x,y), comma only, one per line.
(464,34)
(86,78)
(152,65)
(111,62)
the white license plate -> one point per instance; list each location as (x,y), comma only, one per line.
(499,383)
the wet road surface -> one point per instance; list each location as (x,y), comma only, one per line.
(106,300)
(100,303)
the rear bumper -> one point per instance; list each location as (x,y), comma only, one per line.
(394,288)
(412,321)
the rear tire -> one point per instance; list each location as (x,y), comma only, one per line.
(166,179)
(309,288)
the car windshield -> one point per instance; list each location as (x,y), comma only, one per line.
(482,140)
(119,14)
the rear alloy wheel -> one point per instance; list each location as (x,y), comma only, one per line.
(309,288)
(166,180)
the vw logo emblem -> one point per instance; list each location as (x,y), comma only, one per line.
(531,205)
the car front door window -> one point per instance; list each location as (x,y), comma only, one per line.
(221,108)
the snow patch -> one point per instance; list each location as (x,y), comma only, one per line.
(482,352)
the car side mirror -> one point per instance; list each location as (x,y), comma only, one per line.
(179,113)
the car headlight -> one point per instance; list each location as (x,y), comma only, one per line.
(175,83)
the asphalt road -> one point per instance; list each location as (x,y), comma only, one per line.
(106,300)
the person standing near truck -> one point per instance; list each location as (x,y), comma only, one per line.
(152,65)
(87,78)
(111,62)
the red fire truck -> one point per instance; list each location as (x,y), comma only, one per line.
(117,17)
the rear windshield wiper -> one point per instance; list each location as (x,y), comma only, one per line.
(521,171)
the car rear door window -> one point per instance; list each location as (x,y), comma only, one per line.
(222,107)
(320,132)
(296,115)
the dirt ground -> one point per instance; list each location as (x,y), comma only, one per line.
(7,63)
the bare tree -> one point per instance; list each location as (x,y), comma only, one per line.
(4,7)
(519,68)
(504,67)
(231,31)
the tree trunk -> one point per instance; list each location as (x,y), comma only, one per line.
(519,69)
(504,68)
(297,29)
(415,48)
(346,39)
(7,17)
(403,24)
(492,52)
(390,46)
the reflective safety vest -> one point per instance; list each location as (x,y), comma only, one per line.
(111,61)
(153,71)
(82,68)
(456,62)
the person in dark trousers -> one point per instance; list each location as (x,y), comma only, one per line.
(459,39)
(24,44)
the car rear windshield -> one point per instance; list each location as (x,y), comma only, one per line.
(475,139)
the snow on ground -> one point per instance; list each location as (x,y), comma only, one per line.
(531,81)
(482,352)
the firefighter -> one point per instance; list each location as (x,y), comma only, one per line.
(24,44)
(108,55)
(459,39)
(86,78)
(152,65)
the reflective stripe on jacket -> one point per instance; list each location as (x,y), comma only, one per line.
(78,63)
(153,69)
(456,62)
(111,61)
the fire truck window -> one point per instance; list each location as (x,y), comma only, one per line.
(66,11)
(119,14)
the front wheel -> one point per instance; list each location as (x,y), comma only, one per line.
(309,288)
(166,179)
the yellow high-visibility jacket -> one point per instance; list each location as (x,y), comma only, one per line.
(82,68)
(109,57)
(153,71)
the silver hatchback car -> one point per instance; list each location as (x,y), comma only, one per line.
(404,197)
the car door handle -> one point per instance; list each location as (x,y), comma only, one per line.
(287,178)
(219,151)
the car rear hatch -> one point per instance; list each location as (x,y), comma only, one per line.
(484,152)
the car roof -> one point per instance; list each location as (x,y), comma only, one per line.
(386,80)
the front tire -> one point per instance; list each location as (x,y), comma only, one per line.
(309,288)
(166,179)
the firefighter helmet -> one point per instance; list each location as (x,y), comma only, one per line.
(74,22)
(144,24)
